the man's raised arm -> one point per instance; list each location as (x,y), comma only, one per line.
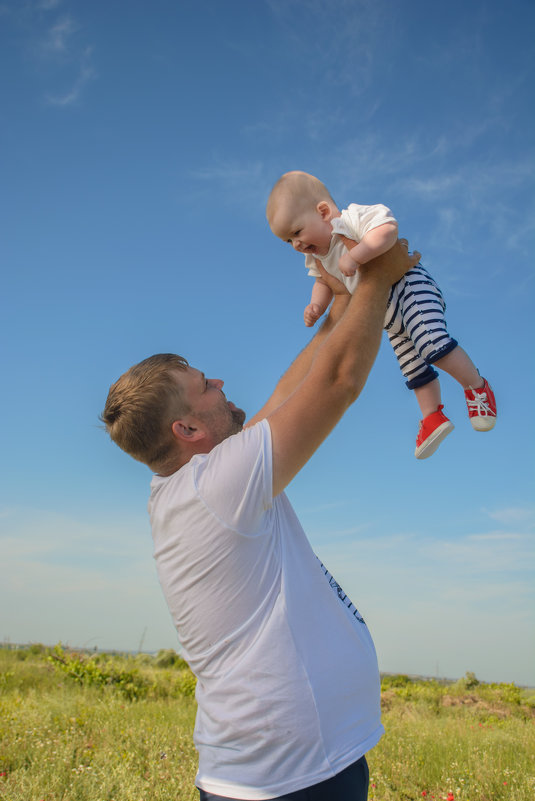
(301,365)
(329,374)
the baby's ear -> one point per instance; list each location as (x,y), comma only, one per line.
(324,210)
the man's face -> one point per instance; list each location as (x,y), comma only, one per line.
(306,230)
(209,405)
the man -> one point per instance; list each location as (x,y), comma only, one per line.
(288,683)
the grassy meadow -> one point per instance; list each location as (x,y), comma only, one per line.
(101,727)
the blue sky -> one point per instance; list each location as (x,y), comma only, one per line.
(140,141)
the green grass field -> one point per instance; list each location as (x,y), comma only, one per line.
(116,728)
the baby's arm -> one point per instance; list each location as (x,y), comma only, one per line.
(372,244)
(319,300)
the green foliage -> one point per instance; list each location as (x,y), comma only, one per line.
(167,658)
(186,683)
(133,678)
(468,682)
(388,681)
(70,732)
(87,671)
(145,660)
(509,693)
(69,740)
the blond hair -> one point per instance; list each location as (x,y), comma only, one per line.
(297,187)
(141,408)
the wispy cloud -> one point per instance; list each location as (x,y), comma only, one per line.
(58,39)
(244,183)
(347,51)
(514,516)
(91,581)
(442,600)
(54,40)
(86,73)
(31,535)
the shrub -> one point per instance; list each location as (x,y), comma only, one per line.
(87,671)
(394,681)
(167,658)
(468,682)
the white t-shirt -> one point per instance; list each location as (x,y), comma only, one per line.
(288,685)
(354,222)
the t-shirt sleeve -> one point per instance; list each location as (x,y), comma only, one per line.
(357,220)
(235,479)
(311,266)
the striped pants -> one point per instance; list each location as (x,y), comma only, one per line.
(416,326)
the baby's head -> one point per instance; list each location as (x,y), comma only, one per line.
(299,211)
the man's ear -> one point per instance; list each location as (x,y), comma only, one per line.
(184,431)
(324,210)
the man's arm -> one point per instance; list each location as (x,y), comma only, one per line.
(300,367)
(329,374)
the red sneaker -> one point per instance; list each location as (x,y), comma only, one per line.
(481,407)
(433,429)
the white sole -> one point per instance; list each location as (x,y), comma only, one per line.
(432,442)
(483,423)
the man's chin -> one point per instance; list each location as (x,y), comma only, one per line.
(238,417)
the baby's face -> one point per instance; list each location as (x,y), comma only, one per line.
(307,230)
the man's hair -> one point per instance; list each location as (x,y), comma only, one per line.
(297,187)
(141,407)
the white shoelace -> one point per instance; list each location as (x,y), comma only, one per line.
(479,404)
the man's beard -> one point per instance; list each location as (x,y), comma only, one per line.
(222,425)
(238,417)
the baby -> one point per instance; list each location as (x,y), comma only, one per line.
(301,211)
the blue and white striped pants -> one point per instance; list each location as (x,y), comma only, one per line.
(416,326)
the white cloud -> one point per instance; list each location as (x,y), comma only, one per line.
(54,42)
(86,74)
(33,535)
(76,581)
(59,36)
(514,515)
(465,602)
(350,30)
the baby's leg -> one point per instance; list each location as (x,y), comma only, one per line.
(428,397)
(478,394)
(417,312)
(434,426)
(416,327)
(417,332)
(460,366)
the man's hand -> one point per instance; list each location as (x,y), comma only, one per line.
(394,263)
(336,286)
(415,253)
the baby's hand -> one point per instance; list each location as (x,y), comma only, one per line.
(347,265)
(312,313)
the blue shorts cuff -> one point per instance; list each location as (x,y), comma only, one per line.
(452,344)
(422,379)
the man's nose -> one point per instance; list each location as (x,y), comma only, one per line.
(216,382)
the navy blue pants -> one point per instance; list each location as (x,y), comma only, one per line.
(349,785)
